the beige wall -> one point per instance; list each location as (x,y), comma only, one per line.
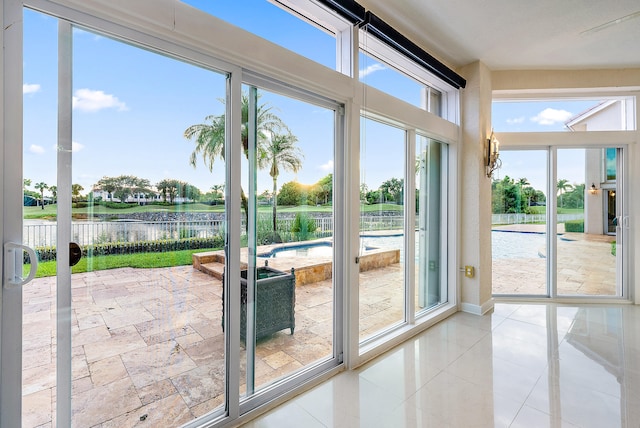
(475,190)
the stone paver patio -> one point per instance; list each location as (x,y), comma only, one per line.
(585,267)
(148,345)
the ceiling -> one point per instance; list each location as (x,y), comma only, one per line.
(520,34)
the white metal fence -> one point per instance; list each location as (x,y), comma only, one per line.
(531,218)
(86,233)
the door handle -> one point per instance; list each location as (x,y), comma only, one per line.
(75,253)
(13,256)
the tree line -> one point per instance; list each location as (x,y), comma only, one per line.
(518,196)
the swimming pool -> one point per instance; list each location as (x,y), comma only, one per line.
(315,249)
(505,245)
(516,245)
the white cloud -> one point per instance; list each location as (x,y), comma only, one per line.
(30,88)
(34,148)
(91,101)
(76,147)
(551,116)
(371,69)
(515,120)
(327,166)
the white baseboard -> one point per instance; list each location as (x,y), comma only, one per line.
(477,309)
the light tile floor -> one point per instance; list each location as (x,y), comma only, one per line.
(537,365)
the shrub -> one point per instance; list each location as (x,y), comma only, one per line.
(119,205)
(110,248)
(303,226)
(613,248)
(574,226)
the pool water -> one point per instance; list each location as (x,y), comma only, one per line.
(319,249)
(516,245)
(505,245)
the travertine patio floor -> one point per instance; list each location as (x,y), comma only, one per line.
(148,345)
(585,267)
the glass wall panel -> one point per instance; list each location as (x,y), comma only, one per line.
(560,115)
(431,203)
(386,78)
(263,18)
(148,173)
(40,115)
(288,247)
(382,217)
(518,224)
(587,222)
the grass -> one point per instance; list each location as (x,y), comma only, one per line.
(136,260)
(50,211)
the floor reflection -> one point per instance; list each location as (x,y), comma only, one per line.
(521,366)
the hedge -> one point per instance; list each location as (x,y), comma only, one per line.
(574,226)
(111,248)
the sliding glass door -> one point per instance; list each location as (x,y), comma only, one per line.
(151,301)
(288,277)
(585,253)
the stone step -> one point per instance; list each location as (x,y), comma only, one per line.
(215,269)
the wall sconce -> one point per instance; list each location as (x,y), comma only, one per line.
(593,189)
(492,155)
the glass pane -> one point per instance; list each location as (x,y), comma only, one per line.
(147,177)
(588,218)
(292,285)
(384,77)
(611,164)
(541,116)
(263,18)
(431,191)
(40,115)
(518,223)
(382,282)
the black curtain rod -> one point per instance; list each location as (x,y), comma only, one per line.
(348,9)
(393,38)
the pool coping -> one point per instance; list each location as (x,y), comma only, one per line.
(307,270)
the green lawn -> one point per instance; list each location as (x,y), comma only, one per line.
(136,260)
(50,211)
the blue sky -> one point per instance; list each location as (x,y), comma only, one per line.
(539,116)
(132,106)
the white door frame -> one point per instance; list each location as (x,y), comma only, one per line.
(11,202)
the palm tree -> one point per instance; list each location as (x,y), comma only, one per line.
(41,187)
(217,189)
(54,192)
(563,186)
(522,183)
(280,152)
(209,137)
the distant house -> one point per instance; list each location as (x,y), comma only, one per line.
(601,165)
